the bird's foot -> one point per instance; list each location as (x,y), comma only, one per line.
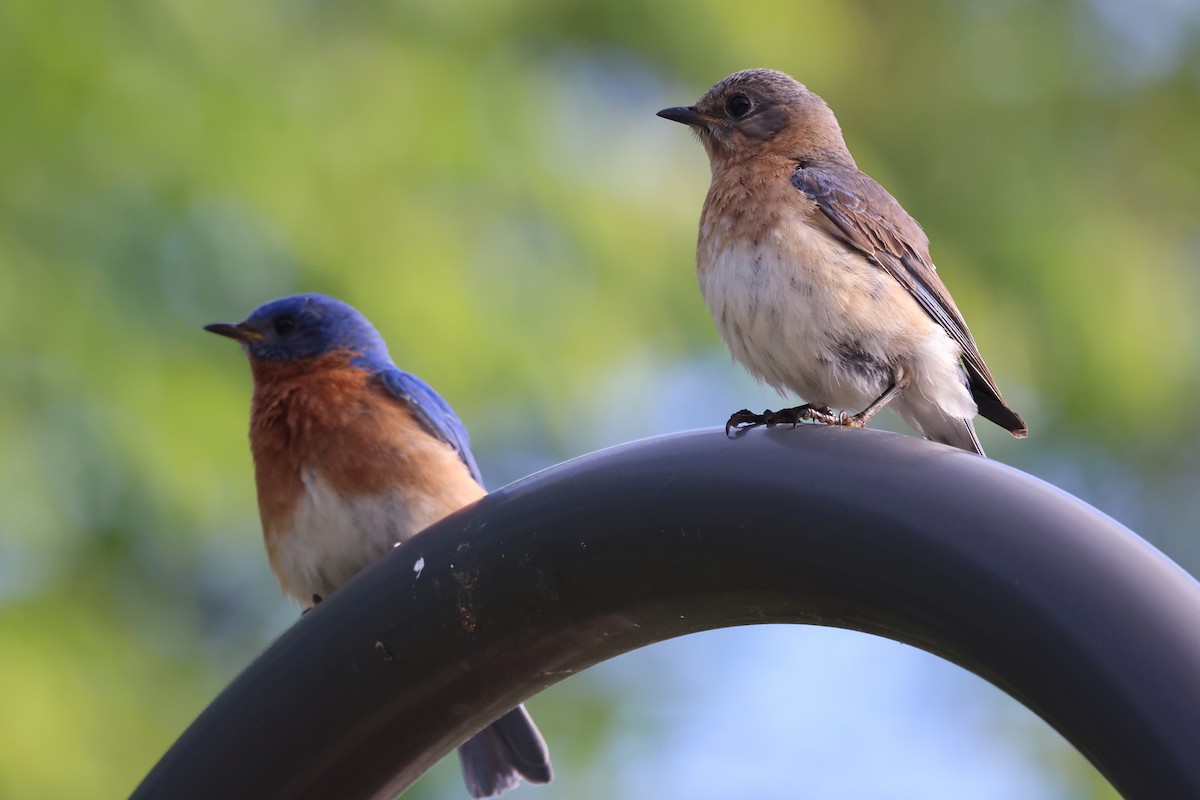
(842,419)
(746,419)
(316,599)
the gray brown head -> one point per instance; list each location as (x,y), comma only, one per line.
(762,111)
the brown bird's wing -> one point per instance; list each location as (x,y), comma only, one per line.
(860,213)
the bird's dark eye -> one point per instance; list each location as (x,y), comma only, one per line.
(284,325)
(738,106)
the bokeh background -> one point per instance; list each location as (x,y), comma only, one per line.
(489,184)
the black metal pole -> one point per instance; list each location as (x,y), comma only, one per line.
(1057,604)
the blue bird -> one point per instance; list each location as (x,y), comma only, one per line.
(351,456)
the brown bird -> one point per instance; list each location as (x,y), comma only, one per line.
(819,282)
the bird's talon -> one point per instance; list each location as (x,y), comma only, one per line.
(745,419)
(316,600)
(741,420)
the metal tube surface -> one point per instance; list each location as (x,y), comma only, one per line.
(1032,589)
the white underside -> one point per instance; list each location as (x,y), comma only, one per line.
(785,321)
(332,537)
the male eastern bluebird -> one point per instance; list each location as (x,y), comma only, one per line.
(819,282)
(351,456)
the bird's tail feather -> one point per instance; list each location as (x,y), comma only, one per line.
(937,425)
(955,432)
(992,406)
(498,757)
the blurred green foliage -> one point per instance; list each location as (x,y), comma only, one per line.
(488,183)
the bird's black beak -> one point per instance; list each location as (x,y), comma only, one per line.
(688,115)
(234,330)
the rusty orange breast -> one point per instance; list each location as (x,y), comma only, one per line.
(333,420)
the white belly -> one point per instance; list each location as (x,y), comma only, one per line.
(779,317)
(807,316)
(332,537)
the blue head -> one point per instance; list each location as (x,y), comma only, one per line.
(306,326)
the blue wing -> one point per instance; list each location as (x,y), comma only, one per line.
(435,414)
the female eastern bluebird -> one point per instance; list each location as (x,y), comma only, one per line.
(818,280)
(353,455)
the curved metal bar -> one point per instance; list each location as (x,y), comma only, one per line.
(1052,601)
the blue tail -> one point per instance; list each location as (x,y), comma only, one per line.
(499,756)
